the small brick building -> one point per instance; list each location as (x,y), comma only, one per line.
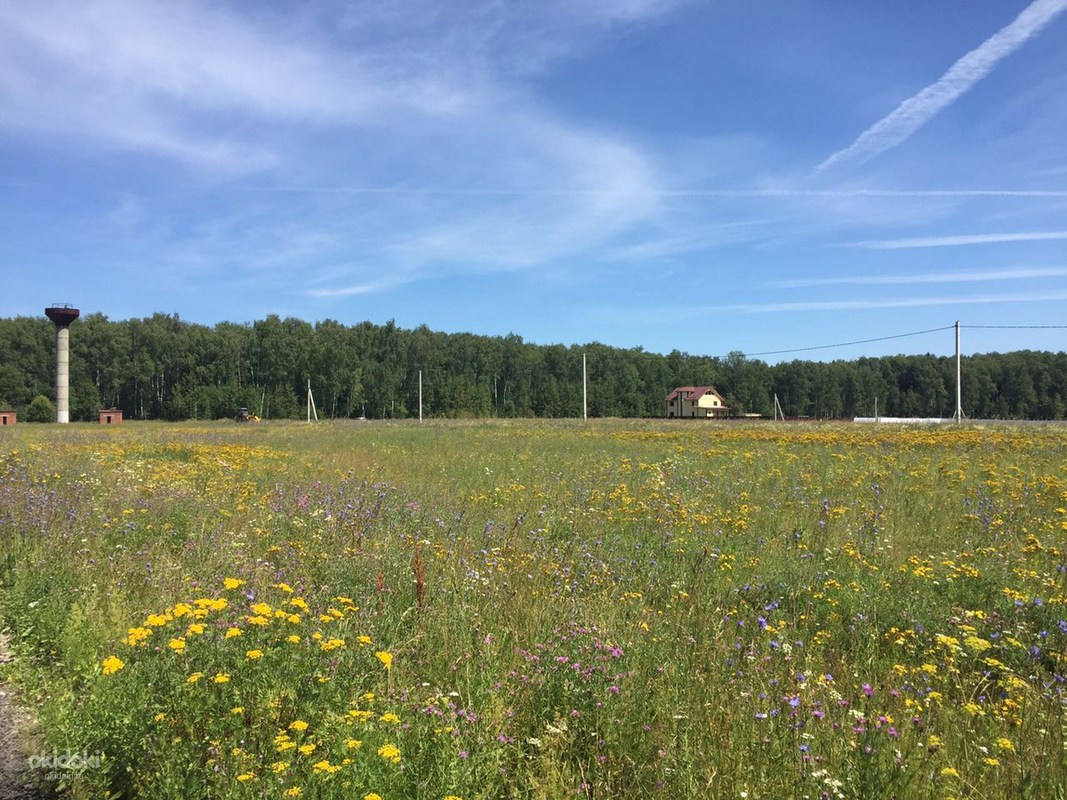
(8,418)
(110,416)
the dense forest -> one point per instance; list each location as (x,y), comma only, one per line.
(163,368)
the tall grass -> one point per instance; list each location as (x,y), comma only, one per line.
(541,609)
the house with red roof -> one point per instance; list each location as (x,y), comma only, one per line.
(702,402)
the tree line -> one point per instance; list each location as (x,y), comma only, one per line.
(161,367)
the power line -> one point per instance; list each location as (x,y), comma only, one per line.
(858,341)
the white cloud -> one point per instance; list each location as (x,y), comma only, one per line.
(919,109)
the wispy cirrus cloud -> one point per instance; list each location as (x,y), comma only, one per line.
(956,241)
(973,276)
(919,109)
(356,290)
(339,141)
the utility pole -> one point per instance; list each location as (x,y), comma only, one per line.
(420,395)
(585,392)
(958,416)
(311,405)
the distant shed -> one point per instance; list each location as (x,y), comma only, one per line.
(8,418)
(110,416)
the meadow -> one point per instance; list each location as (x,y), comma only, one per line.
(540,609)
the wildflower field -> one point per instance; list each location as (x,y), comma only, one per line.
(540,609)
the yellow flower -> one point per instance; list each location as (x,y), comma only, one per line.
(950,772)
(372,796)
(237,710)
(452,797)
(390,752)
(385,658)
(233,583)
(247,776)
(353,744)
(194,677)
(298,725)
(221,677)
(137,636)
(294,619)
(252,655)
(279,766)
(294,639)
(159,717)
(177,645)
(364,639)
(196,628)
(231,632)
(299,602)
(157,620)
(307,749)
(1005,745)
(257,620)
(991,762)
(285,587)
(112,664)
(181,609)
(390,717)
(262,609)
(332,644)
(293,791)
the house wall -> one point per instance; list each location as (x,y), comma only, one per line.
(8,417)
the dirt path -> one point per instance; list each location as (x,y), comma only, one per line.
(16,744)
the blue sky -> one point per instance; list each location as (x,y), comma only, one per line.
(706,176)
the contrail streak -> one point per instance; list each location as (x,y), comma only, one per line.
(919,109)
(1017,273)
(955,241)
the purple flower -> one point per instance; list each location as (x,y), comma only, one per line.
(868,690)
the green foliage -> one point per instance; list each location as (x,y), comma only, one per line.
(41,410)
(160,367)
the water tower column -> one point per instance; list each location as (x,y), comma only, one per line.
(62,374)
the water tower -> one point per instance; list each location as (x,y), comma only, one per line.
(62,314)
